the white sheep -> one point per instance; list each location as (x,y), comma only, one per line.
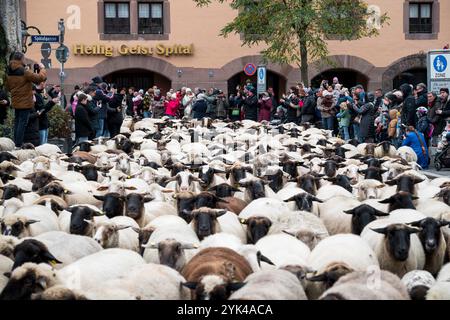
(68,248)
(331,191)
(48,149)
(283,249)
(144,282)
(6,265)
(418,282)
(30,221)
(333,216)
(337,255)
(221,239)
(6,144)
(361,285)
(116,232)
(270,285)
(407,153)
(264,207)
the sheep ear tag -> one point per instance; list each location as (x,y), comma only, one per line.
(53,263)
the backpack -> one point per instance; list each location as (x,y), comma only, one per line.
(425,126)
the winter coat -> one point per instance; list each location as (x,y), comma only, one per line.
(251,108)
(291,113)
(158,108)
(172,107)
(265,108)
(422,100)
(367,128)
(409,107)
(211,101)
(101,98)
(392,128)
(221,108)
(436,119)
(344,118)
(199,109)
(412,141)
(114,112)
(93,111)
(326,107)
(83,126)
(19,82)
(40,105)
(445,109)
(32,129)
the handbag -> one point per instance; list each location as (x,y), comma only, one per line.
(235,112)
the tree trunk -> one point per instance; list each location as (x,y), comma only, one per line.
(10,31)
(304,62)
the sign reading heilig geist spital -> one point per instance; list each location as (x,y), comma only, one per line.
(135,50)
(438,62)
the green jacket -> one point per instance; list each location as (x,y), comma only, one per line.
(344,118)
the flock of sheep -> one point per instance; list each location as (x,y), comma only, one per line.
(213,210)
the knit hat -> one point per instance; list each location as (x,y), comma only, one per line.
(444,90)
(390,96)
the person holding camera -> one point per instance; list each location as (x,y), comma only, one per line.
(115,116)
(42,109)
(19,82)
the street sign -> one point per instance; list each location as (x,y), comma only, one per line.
(438,65)
(62,53)
(250,69)
(42,38)
(262,80)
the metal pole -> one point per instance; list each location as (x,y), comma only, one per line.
(62,86)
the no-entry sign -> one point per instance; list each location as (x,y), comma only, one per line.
(250,69)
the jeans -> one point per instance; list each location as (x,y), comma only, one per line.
(356,132)
(101,127)
(328,123)
(345,133)
(43,136)
(20,123)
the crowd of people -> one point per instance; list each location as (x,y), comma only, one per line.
(411,115)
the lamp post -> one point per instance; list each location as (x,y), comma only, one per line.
(62,54)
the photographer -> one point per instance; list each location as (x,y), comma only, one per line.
(42,109)
(19,83)
(291,103)
(115,116)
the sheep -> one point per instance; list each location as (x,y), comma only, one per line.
(72,220)
(335,256)
(207,221)
(270,285)
(383,149)
(221,239)
(144,282)
(68,248)
(418,282)
(171,244)
(439,291)
(6,144)
(331,191)
(396,246)
(56,204)
(116,232)
(407,153)
(264,207)
(369,189)
(7,245)
(48,149)
(332,213)
(283,249)
(30,221)
(5,266)
(58,292)
(363,285)
(84,274)
(213,273)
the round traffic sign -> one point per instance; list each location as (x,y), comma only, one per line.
(46,49)
(440,63)
(62,53)
(249,69)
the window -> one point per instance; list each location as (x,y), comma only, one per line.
(420,18)
(117,18)
(151,18)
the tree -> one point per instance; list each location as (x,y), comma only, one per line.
(295,31)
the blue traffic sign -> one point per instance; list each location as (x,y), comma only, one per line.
(41,38)
(440,63)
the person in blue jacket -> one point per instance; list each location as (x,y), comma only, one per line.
(416,141)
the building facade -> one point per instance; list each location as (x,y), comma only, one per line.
(173,43)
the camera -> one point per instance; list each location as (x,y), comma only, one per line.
(36,68)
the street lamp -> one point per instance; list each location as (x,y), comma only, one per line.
(62,30)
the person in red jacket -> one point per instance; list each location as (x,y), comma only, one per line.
(172,106)
(265,107)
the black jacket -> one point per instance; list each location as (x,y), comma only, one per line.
(53,94)
(101,97)
(409,117)
(83,126)
(114,110)
(32,129)
(422,100)
(4,108)
(251,108)
(93,111)
(40,105)
(199,109)
(309,106)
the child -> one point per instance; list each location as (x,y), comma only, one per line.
(392,127)
(344,117)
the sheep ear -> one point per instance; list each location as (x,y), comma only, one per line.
(221,200)
(220,213)
(380,213)
(443,223)
(351,211)
(101,198)
(30,176)
(380,186)
(67,191)
(388,200)
(137,230)
(392,182)
(150,245)
(102,188)
(319,278)
(235,286)
(213,189)
(92,223)
(362,171)
(415,223)
(380,230)
(189,246)
(121,227)
(412,230)
(131,188)
(417,180)
(7,274)
(290,199)
(30,222)
(316,199)
(289,233)
(190,285)
(148,198)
